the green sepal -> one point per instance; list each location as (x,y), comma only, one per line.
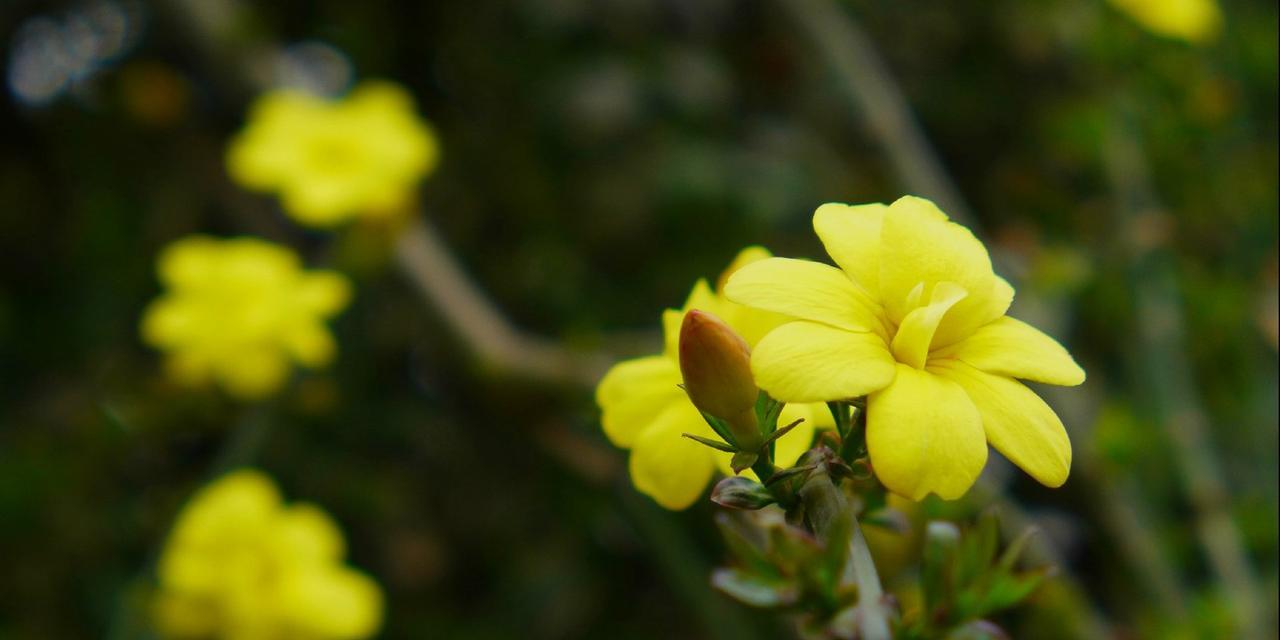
(721,428)
(781,432)
(727,448)
(743,460)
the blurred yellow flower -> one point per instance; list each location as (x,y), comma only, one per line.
(238,311)
(644,410)
(1195,21)
(332,161)
(241,564)
(914,319)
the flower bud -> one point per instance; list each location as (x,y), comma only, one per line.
(737,492)
(716,365)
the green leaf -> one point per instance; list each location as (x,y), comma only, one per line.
(738,534)
(1008,590)
(978,550)
(1010,556)
(942,540)
(755,590)
(978,630)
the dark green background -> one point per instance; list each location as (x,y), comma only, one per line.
(598,157)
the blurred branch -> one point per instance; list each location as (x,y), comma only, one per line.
(474,318)
(425,259)
(1162,363)
(879,100)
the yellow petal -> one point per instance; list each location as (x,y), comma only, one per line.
(806,290)
(1195,21)
(632,395)
(1009,347)
(330,601)
(744,258)
(239,504)
(672,469)
(310,343)
(253,373)
(323,292)
(305,533)
(918,245)
(1017,422)
(811,362)
(189,261)
(851,235)
(911,343)
(924,436)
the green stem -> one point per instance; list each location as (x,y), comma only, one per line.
(874,621)
(854,439)
(824,503)
(764,469)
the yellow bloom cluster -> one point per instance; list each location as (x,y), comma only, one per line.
(1195,21)
(644,410)
(241,564)
(913,318)
(239,311)
(332,161)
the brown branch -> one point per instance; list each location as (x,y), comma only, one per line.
(425,259)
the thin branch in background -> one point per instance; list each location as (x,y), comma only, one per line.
(478,322)
(1161,361)
(218,32)
(880,103)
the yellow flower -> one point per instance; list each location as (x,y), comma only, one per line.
(332,161)
(914,319)
(239,563)
(1195,21)
(644,410)
(238,311)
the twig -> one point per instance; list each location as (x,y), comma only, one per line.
(865,78)
(424,258)
(824,504)
(475,319)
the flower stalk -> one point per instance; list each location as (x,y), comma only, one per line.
(825,509)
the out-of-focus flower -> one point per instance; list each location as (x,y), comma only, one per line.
(644,410)
(239,311)
(332,161)
(913,319)
(239,563)
(1195,21)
